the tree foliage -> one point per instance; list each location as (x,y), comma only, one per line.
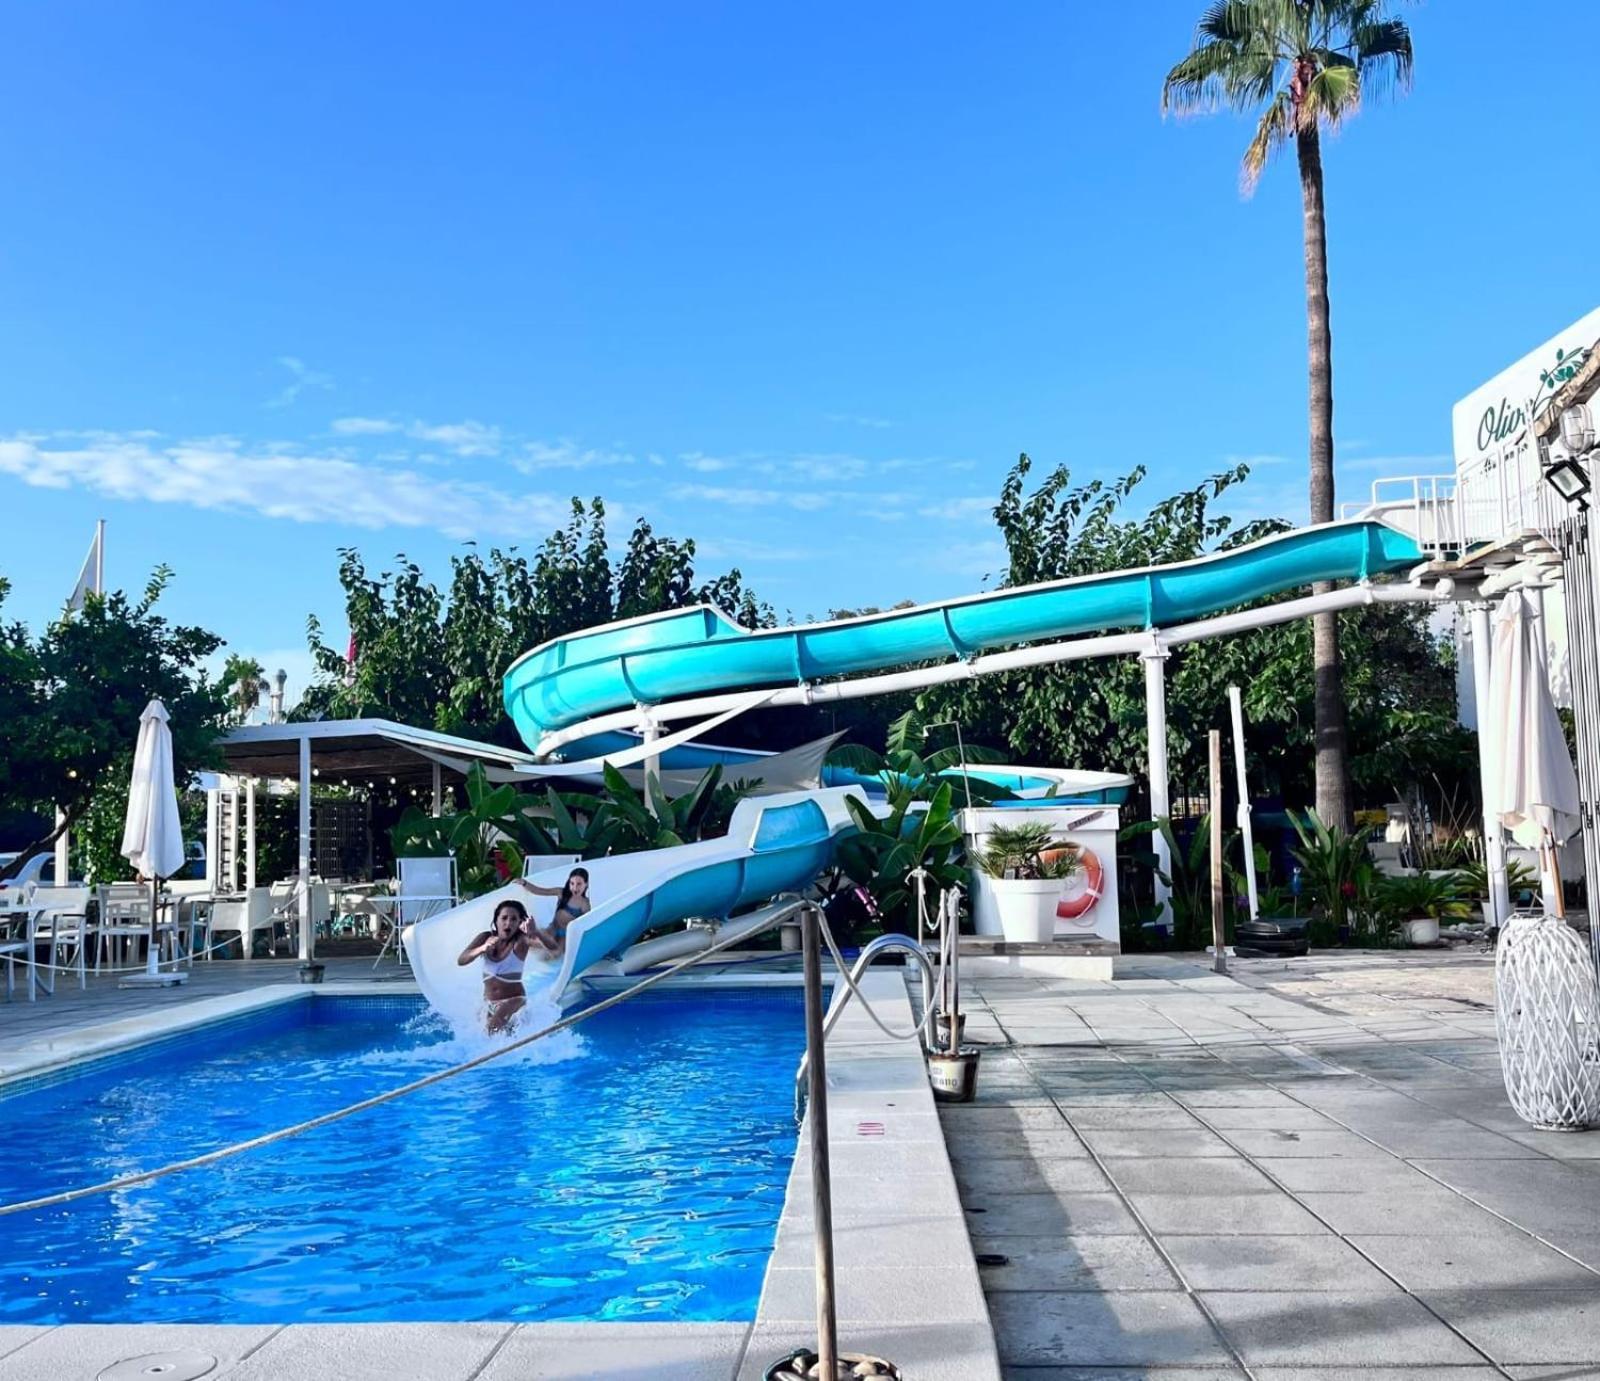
(72,697)
(437,659)
(1399,679)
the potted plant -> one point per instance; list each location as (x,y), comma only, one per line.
(1026,884)
(1421,900)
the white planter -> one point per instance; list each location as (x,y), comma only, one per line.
(1027,908)
(1424,931)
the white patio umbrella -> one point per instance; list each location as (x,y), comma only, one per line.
(152,839)
(1531,772)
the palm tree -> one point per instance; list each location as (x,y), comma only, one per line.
(1309,63)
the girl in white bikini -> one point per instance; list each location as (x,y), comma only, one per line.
(504,950)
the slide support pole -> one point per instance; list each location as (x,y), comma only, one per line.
(1155,709)
(1494,849)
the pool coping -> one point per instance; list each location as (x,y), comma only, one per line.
(891,1180)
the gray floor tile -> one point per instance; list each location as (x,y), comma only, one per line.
(1158,1175)
(1171,1116)
(1522,1327)
(975,1117)
(1402,1211)
(372,1352)
(910,1293)
(1049,1215)
(1399,1373)
(1497,1259)
(1183,1142)
(670,1352)
(84,1350)
(1318,1144)
(1103,1330)
(1243,1262)
(1345,1176)
(1074,1263)
(1024,1175)
(1224,1214)
(1032,1143)
(927,1352)
(1292,1328)
(1122,1374)
(1290,1119)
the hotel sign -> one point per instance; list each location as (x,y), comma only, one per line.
(1490,424)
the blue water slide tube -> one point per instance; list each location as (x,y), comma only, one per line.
(774,844)
(701,650)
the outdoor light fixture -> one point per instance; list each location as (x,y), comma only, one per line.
(1569,478)
(1577,429)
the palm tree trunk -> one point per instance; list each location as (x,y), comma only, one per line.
(1333,803)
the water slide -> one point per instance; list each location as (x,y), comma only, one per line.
(774,844)
(566,690)
(583,691)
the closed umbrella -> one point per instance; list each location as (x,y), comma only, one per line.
(152,839)
(1535,784)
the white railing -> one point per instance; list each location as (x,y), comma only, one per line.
(1425,506)
(1507,495)
(1503,498)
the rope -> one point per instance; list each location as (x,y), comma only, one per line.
(89,972)
(339,1114)
(844,972)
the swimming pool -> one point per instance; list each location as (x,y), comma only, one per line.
(638,1175)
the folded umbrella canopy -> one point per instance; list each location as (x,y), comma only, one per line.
(152,839)
(1535,784)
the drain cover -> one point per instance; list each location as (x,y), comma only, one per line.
(182,1364)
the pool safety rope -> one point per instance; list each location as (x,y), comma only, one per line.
(142,1177)
(86,971)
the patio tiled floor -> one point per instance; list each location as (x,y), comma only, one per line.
(1307,1169)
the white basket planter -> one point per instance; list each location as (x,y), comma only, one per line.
(1027,908)
(1547,1014)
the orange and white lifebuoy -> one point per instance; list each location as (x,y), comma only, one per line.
(1075,907)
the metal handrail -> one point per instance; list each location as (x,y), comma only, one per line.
(846,990)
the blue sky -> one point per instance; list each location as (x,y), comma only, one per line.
(798,282)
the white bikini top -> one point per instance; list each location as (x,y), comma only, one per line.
(507,968)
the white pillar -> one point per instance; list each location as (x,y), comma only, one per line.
(1494,849)
(63,851)
(650,730)
(305,850)
(249,833)
(1155,709)
(438,790)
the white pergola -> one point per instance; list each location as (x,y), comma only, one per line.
(353,751)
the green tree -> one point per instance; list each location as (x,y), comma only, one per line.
(242,679)
(73,697)
(432,658)
(1400,684)
(1309,62)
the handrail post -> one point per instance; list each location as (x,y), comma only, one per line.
(821,1181)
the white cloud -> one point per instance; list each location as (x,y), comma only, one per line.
(747,497)
(303,378)
(222,473)
(566,455)
(961,510)
(464,438)
(877,423)
(467,438)
(364,426)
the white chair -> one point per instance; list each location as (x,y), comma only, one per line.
(426,886)
(60,918)
(124,916)
(255,911)
(15,945)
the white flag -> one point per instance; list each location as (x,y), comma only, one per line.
(89,578)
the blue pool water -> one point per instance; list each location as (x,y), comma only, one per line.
(636,1171)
